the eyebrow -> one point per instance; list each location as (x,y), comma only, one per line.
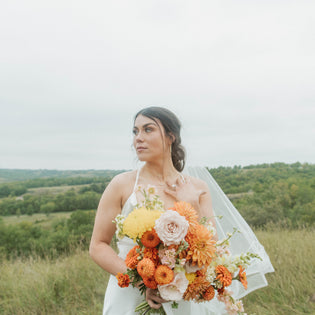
(145,125)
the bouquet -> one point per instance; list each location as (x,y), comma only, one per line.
(176,254)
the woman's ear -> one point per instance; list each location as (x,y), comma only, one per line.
(172,137)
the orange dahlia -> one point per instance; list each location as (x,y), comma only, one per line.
(209,293)
(123,280)
(132,257)
(223,275)
(150,239)
(193,290)
(242,277)
(146,267)
(153,254)
(163,274)
(186,210)
(201,246)
(150,282)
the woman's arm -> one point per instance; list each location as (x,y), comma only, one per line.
(109,206)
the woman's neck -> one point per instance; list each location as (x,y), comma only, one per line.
(162,172)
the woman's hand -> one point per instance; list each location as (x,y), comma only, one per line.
(153,298)
(185,191)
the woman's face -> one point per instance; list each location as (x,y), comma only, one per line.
(149,139)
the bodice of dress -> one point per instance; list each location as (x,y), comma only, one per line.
(124,245)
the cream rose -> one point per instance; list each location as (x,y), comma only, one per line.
(175,290)
(171,227)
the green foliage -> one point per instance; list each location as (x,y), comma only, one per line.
(26,238)
(48,207)
(278,193)
(242,179)
(275,192)
(22,180)
(48,203)
(87,200)
(12,189)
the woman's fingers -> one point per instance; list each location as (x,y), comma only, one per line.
(155,306)
(153,299)
(156,302)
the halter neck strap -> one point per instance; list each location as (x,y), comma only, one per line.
(137,178)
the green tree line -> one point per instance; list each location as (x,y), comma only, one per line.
(10,175)
(279,193)
(25,239)
(275,192)
(86,198)
(21,187)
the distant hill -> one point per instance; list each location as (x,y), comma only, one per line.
(262,193)
(11,175)
(238,179)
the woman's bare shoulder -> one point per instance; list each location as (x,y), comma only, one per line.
(124,184)
(125,176)
(124,179)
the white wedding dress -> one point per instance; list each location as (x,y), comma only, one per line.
(123,301)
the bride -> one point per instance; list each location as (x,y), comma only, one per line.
(157,143)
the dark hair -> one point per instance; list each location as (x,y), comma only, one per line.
(172,128)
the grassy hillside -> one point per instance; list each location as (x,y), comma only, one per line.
(76,285)
(54,190)
(40,219)
(10,175)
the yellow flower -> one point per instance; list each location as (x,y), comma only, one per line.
(139,221)
(190,277)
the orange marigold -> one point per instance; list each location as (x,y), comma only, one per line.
(193,290)
(150,239)
(153,254)
(146,267)
(123,280)
(209,293)
(242,276)
(132,257)
(223,275)
(201,246)
(163,274)
(150,282)
(186,210)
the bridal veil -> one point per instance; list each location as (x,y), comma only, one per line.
(242,242)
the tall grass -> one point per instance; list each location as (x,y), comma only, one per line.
(69,285)
(40,219)
(76,285)
(291,286)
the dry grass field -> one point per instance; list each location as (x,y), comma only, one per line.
(76,285)
(38,218)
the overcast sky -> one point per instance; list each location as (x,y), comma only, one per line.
(239,74)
